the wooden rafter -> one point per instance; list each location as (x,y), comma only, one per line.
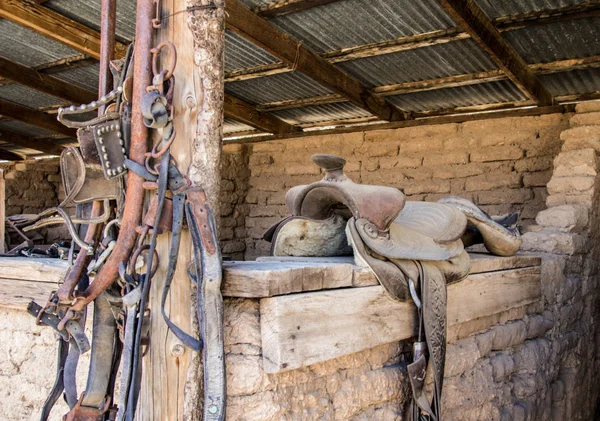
(44,83)
(10,156)
(33,117)
(283,7)
(412,42)
(247,114)
(440,83)
(41,145)
(480,27)
(262,33)
(55,26)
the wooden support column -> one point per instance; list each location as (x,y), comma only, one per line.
(172,387)
(2,212)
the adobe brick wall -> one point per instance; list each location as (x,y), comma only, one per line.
(501,164)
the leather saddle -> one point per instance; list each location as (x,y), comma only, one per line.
(414,248)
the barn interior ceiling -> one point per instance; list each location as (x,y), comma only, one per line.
(293,67)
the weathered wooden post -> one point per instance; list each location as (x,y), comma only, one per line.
(171,388)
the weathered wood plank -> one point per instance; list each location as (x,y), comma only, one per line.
(291,51)
(284,7)
(33,117)
(2,211)
(17,293)
(250,115)
(56,26)
(302,329)
(480,27)
(33,269)
(10,156)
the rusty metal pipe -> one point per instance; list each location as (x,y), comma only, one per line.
(134,198)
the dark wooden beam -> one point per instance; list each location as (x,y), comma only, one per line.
(56,26)
(45,146)
(10,156)
(262,33)
(480,27)
(412,42)
(283,7)
(446,119)
(44,83)
(33,117)
(243,112)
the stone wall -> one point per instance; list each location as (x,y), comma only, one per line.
(501,164)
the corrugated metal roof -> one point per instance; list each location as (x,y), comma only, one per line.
(424,63)
(242,54)
(497,8)
(462,96)
(27,48)
(320,113)
(349,23)
(28,97)
(85,76)
(557,41)
(574,82)
(232,126)
(23,128)
(87,12)
(281,87)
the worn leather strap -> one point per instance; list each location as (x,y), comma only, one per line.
(57,388)
(178,212)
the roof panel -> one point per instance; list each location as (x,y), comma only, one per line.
(242,54)
(233,126)
(281,87)
(23,128)
(557,41)
(497,8)
(28,48)
(423,63)
(321,113)
(349,23)
(574,82)
(85,76)
(28,97)
(463,96)
(87,12)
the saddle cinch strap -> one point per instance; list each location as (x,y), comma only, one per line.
(414,248)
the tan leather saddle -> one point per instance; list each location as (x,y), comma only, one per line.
(414,249)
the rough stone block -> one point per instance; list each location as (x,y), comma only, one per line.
(537,163)
(302,168)
(570,185)
(548,241)
(377,149)
(461,357)
(537,179)
(275,146)
(495,197)
(563,199)
(496,153)
(401,161)
(566,218)
(493,181)
(261,159)
(580,162)
(588,107)
(582,137)
(585,119)
(503,366)
(456,157)
(509,335)
(427,186)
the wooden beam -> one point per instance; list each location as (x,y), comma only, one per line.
(412,42)
(241,111)
(299,330)
(43,83)
(10,156)
(283,7)
(44,146)
(480,27)
(33,117)
(55,26)
(446,119)
(262,33)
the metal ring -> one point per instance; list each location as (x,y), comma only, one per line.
(156,52)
